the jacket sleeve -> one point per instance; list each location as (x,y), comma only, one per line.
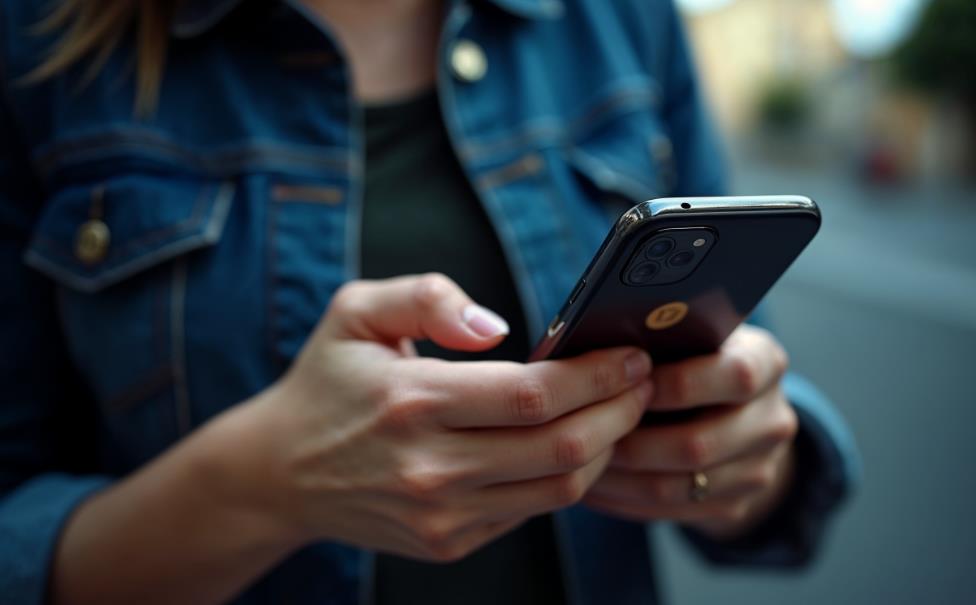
(46,420)
(827,459)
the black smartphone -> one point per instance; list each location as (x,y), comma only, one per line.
(676,276)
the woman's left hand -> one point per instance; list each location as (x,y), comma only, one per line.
(726,469)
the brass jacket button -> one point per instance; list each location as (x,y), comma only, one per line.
(468,61)
(91,243)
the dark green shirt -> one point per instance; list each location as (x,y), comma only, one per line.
(422,215)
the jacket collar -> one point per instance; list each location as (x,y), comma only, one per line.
(195,17)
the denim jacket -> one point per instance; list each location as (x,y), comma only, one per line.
(232,214)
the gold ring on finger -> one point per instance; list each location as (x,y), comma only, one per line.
(699,487)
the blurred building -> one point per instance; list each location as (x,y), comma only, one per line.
(746,43)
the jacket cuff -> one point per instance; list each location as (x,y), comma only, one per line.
(31,519)
(827,468)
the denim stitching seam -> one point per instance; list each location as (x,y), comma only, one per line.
(553,131)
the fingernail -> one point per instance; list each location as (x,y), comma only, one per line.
(483,322)
(637,365)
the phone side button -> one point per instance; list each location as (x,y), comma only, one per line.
(555,326)
(577,290)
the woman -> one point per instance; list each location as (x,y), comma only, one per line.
(203,400)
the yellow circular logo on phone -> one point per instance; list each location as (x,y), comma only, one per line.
(666,316)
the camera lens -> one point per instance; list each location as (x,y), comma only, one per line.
(659,248)
(643,273)
(680,259)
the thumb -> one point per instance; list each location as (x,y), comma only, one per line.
(418,307)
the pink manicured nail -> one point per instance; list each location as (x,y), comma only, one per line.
(484,323)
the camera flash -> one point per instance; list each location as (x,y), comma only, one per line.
(698,243)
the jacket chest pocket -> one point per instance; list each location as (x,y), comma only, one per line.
(603,171)
(624,161)
(121,251)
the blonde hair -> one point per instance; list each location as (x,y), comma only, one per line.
(92,31)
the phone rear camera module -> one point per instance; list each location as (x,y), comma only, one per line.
(659,248)
(643,273)
(667,256)
(681,259)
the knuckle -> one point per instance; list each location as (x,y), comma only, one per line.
(572,450)
(448,552)
(431,288)
(400,408)
(348,298)
(384,393)
(533,401)
(435,531)
(423,484)
(761,335)
(786,425)
(696,451)
(745,375)
(569,489)
(781,359)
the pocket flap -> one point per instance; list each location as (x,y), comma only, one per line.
(632,160)
(141,222)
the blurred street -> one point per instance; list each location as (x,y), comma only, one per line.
(881,312)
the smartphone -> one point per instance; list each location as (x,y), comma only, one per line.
(676,276)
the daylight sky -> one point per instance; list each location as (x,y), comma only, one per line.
(867,28)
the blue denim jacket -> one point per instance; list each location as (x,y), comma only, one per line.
(233,215)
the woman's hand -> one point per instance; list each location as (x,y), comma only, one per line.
(739,449)
(359,442)
(364,443)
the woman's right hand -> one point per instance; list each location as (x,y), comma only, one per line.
(362,442)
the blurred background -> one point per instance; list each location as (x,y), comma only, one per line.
(869,107)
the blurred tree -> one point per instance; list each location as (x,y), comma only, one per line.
(940,55)
(784,104)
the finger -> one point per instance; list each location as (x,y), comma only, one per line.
(748,364)
(428,306)
(746,476)
(537,496)
(495,394)
(712,439)
(562,446)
